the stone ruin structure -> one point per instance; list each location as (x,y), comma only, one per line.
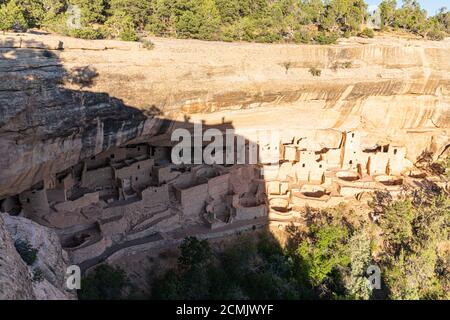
(311,175)
(132,194)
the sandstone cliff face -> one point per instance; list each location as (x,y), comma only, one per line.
(16,278)
(51,117)
(44,127)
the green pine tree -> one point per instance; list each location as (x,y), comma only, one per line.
(12,16)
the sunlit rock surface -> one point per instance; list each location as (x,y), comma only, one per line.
(393,89)
(64,101)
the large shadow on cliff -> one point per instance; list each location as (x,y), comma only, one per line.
(50,120)
(44,107)
(40,116)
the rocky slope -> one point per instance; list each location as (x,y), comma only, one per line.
(18,280)
(60,106)
(15,281)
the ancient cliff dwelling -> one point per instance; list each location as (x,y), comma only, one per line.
(128,193)
(345,141)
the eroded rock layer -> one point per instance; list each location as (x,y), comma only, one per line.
(40,277)
(86,149)
(15,282)
(64,100)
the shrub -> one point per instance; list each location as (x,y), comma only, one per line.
(12,17)
(26,251)
(347,34)
(347,65)
(106,282)
(318,258)
(441,167)
(122,26)
(315,72)
(287,65)
(128,34)
(413,230)
(436,35)
(304,35)
(360,258)
(341,65)
(367,33)
(168,287)
(38,275)
(268,36)
(447,166)
(326,38)
(57,24)
(87,33)
(194,252)
(147,44)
